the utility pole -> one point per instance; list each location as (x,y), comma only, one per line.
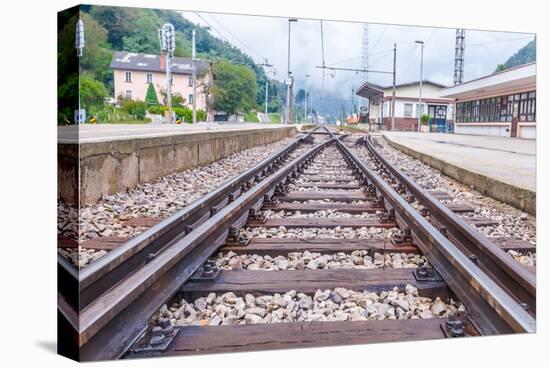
(421,109)
(193,55)
(352,102)
(80,115)
(266,93)
(393,87)
(289,75)
(267,64)
(305,99)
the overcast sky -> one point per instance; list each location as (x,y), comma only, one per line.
(266,38)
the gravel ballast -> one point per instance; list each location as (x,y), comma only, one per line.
(359,259)
(512,223)
(339,304)
(158,199)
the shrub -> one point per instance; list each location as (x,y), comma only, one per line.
(157,110)
(136,108)
(424,119)
(183,113)
(201,115)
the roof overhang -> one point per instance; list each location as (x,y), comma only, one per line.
(518,78)
(369,90)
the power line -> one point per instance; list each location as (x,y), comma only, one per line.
(357,58)
(236,38)
(379,38)
(213,28)
(416,51)
(264,63)
(499,41)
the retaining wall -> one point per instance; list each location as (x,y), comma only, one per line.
(518,197)
(88,170)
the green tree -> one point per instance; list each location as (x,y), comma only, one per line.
(151,95)
(96,56)
(500,67)
(234,88)
(92,93)
(300,96)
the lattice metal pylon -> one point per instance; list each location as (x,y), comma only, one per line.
(459,56)
(365,55)
(365,50)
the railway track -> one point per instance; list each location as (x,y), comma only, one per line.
(310,249)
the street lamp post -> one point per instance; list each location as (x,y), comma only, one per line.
(305,99)
(289,75)
(167,38)
(80,115)
(193,56)
(421,43)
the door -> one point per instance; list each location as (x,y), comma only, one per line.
(438,118)
(515,116)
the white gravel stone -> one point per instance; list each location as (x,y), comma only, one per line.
(359,259)
(338,304)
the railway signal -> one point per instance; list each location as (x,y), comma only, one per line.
(80,113)
(167,39)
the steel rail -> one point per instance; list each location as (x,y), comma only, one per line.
(490,307)
(80,288)
(111,323)
(503,269)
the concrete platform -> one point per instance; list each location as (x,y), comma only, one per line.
(95,160)
(108,132)
(503,168)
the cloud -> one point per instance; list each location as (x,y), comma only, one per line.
(267,37)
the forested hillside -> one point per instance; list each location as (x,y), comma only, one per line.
(526,54)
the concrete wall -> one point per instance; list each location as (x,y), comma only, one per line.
(520,198)
(428,91)
(113,166)
(483,128)
(527,130)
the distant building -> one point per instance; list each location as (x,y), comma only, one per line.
(133,72)
(500,104)
(407,107)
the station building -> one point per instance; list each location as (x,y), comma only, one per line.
(407,108)
(133,72)
(500,104)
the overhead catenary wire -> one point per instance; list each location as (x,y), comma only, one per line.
(225,39)
(246,46)
(499,41)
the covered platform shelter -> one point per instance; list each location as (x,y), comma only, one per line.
(375,95)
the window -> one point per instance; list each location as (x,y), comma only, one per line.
(149,78)
(190,98)
(408,111)
(419,110)
(190,80)
(497,108)
(128,93)
(128,77)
